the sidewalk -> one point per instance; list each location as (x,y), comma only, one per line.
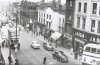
(5,52)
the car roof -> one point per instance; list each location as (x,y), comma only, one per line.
(35,41)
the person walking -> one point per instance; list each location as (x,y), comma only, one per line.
(44,60)
(9,59)
(16,62)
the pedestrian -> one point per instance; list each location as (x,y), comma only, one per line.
(16,62)
(10,60)
(3,43)
(18,46)
(44,60)
(44,37)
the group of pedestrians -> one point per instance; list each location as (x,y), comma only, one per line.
(10,60)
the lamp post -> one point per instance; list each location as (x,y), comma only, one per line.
(16,24)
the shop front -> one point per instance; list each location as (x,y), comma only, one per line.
(56,38)
(39,28)
(81,38)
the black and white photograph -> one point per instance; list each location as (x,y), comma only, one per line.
(49,32)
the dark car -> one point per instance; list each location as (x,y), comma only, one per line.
(60,56)
(48,46)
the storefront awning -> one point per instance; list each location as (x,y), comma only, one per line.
(56,35)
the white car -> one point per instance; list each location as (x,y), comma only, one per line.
(35,45)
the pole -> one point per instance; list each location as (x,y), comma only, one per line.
(16,25)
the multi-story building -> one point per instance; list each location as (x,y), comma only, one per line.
(86,23)
(28,12)
(70,6)
(52,18)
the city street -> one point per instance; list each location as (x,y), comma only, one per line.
(29,56)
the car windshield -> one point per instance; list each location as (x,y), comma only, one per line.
(35,42)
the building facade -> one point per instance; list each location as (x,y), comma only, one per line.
(53,19)
(68,29)
(86,27)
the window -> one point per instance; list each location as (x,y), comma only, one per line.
(93,26)
(39,19)
(87,49)
(85,7)
(98,27)
(84,21)
(44,21)
(47,16)
(94,8)
(99,10)
(70,4)
(79,7)
(78,22)
(49,24)
(93,50)
(98,51)
(44,14)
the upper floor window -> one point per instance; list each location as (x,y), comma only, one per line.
(98,27)
(79,7)
(78,22)
(85,7)
(93,26)
(44,21)
(71,3)
(44,14)
(99,9)
(94,8)
(47,16)
(84,21)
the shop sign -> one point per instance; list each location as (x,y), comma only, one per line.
(79,34)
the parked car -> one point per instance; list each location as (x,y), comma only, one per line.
(48,46)
(60,56)
(35,45)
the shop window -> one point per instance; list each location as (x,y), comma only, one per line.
(94,8)
(83,25)
(79,7)
(93,50)
(98,27)
(78,22)
(85,7)
(98,51)
(93,26)
(87,49)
